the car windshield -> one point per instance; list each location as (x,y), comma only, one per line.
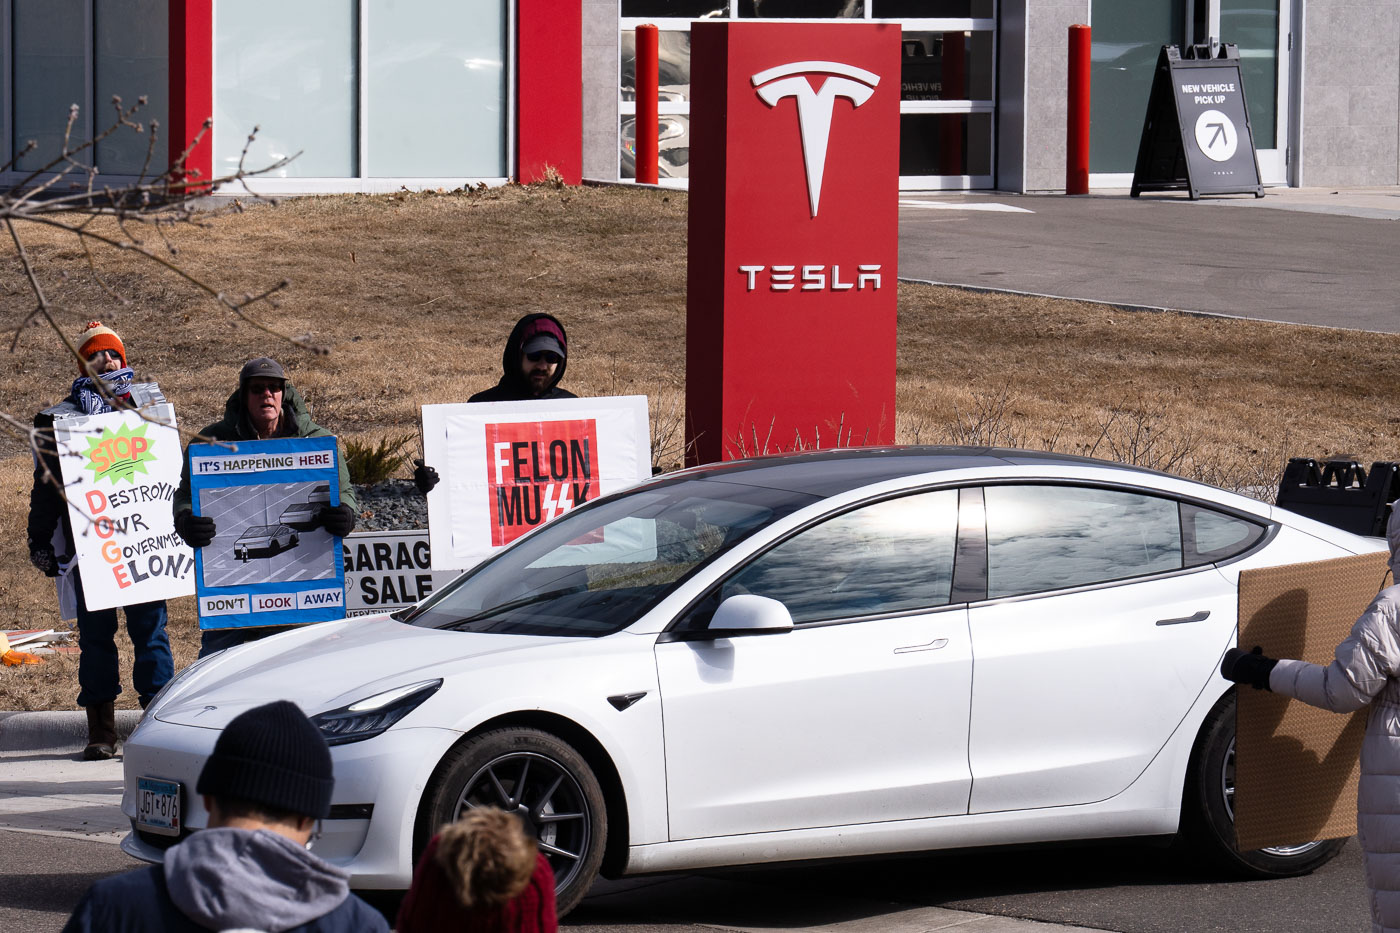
(259,531)
(597,569)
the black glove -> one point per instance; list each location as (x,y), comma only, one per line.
(1248,667)
(197,530)
(424,477)
(45,559)
(339,520)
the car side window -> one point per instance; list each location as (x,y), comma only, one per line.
(1051,537)
(1210,536)
(891,556)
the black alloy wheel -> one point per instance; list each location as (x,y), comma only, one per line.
(1208,813)
(542,780)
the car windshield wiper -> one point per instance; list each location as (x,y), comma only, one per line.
(513,604)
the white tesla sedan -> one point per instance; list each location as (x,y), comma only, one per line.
(838,653)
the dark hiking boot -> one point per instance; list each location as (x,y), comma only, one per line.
(102,732)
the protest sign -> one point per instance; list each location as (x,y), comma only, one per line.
(509,467)
(270,562)
(388,570)
(120,471)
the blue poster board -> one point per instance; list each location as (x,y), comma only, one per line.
(271,562)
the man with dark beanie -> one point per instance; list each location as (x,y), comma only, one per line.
(532,366)
(266,786)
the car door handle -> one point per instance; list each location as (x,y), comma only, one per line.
(1198,617)
(931,646)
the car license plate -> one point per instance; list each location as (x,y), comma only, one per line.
(158,806)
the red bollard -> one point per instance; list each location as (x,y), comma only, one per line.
(646,123)
(1077,122)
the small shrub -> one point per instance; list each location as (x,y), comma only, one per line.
(370,463)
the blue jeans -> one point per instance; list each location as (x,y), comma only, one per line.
(99,670)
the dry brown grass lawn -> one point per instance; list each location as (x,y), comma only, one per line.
(413,295)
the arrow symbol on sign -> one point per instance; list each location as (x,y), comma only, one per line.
(1219,133)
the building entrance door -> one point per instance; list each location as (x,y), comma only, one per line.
(1262,30)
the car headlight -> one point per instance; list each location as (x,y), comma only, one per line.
(364,719)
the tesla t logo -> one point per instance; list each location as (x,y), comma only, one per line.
(814,106)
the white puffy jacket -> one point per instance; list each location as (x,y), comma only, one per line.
(1366,670)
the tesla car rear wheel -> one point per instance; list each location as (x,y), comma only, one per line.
(1208,816)
(545,782)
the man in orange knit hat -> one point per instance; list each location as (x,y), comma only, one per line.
(103,383)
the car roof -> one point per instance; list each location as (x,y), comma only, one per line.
(831,472)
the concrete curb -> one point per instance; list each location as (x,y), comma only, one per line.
(54,731)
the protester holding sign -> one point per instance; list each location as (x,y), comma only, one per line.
(266,405)
(532,365)
(1365,672)
(52,550)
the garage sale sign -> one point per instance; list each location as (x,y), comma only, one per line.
(270,563)
(793,237)
(120,471)
(509,467)
(388,570)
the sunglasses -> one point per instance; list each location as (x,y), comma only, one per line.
(104,355)
(549,356)
(264,388)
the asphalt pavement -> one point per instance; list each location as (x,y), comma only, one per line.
(1319,256)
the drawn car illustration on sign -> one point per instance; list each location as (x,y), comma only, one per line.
(302,515)
(264,541)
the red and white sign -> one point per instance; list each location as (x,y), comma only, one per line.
(793,236)
(538,470)
(509,467)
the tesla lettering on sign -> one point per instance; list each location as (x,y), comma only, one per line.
(793,237)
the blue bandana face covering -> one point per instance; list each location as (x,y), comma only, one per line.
(90,401)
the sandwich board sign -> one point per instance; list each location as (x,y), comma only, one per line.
(1197,134)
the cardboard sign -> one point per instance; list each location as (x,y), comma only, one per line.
(1197,134)
(120,471)
(270,562)
(1297,766)
(509,467)
(793,237)
(388,570)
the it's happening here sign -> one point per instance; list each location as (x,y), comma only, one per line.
(270,563)
(509,467)
(120,471)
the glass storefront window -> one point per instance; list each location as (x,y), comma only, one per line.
(435,96)
(801,9)
(131,38)
(945,144)
(932,9)
(1253,26)
(1128,35)
(946,66)
(295,82)
(673,146)
(681,9)
(673,65)
(50,63)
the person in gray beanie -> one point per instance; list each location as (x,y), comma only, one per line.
(266,786)
(1365,672)
(265,405)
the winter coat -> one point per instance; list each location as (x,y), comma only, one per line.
(223,879)
(513,386)
(432,903)
(236,426)
(1366,671)
(48,514)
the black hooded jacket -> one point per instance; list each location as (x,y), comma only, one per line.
(513,386)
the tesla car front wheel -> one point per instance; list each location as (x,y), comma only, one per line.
(1208,814)
(542,780)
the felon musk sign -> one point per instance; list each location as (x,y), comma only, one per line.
(793,237)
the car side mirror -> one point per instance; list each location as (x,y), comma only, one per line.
(745,614)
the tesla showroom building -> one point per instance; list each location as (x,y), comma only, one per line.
(374,95)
